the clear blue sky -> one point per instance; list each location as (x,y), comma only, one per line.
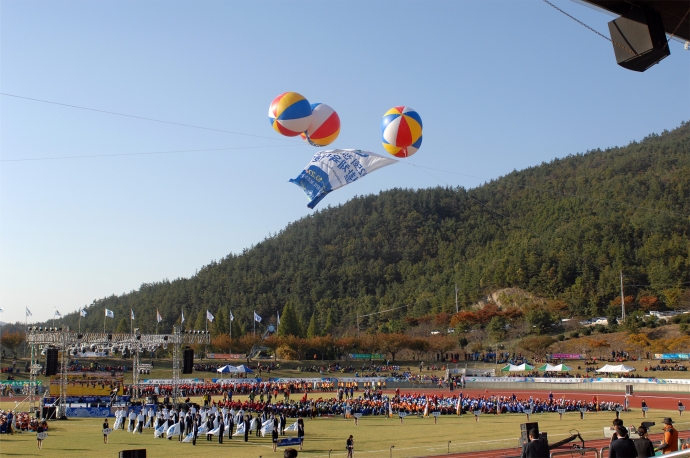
(500,85)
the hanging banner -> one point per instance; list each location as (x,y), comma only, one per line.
(566,356)
(225,356)
(683,356)
(366,356)
(333,169)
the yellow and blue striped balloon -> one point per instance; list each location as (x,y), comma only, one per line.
(290,114)
(401,131)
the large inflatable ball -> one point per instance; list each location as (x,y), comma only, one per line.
(290,114)
(401,131)
(324,127)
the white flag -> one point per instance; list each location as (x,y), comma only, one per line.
(232,317)
(209,317)
(57,313)
(159,318)
(278,318)
(182,319)
(82,312)
(28,312)
(132,313)
(257,318)
(109,313)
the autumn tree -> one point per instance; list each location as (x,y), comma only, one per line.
(322,344)
(442,344)
(273,343)
(296,344)
(222,343)
(12,341)
(245,343)
(347,344)
(418,346)
(393,343)
(537,345)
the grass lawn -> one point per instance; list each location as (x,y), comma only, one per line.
(373,436)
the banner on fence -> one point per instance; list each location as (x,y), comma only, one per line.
(683,356)
(87,412)
(225,356)
(366,356)
(567,356)
(18,382)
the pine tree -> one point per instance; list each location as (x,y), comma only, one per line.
(200,322)
(312,330)
(290,324)
(330,323)
(122,326)
(220,323)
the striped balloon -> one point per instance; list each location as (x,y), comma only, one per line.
(324,127)
(401,131)
(290,114)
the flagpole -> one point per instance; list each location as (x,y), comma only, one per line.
(254,322)
(79,321)
(104,317)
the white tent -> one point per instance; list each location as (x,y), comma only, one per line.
(513,368)
(228,369)
(557,368)
(619,368)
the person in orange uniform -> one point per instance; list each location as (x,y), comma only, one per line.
(669,443)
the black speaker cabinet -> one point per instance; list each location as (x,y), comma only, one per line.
(140,453)
(52,365)
(187,361)
(640,30)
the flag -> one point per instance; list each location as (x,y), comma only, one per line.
(278,318)
(28,312)
(57,313)
(2,309)
(109,313)
(209,317)
(257,318)
(132,313)
(182,319)
(159,318)
(232,317)
(82,312)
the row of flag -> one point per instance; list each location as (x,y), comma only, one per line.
(159,318)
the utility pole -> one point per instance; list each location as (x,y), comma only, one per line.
(622,298)
(456,299)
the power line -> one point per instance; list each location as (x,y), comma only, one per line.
(140,117)
(146,153)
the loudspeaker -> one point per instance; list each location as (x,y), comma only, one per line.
(140,453)
(525,428)
(187,361)
(51,362)
(641,30)
(49,413)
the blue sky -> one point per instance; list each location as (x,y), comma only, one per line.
(500,85)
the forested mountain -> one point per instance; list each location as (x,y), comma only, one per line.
(561,230)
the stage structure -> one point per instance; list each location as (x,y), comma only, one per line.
(69,343)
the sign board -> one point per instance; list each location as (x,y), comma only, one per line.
(528,411)
(289,441)
(684,356)
(41,436)
(436,413)
(645,408)
(225,356)
(619,409)
(366,356)
(358,415)
(107,431)
(583,409)
(402,414)
(560,411)
(681,408)
(477,412)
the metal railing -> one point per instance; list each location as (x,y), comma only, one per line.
(576,451)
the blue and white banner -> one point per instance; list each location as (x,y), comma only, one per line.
(332,169)
(87,412)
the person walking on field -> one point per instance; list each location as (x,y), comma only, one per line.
(350,446)
(105,436)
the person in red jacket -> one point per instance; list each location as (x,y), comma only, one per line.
(669,443)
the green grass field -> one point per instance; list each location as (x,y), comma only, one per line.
(373,436)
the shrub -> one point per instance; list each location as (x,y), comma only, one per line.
(587,331)
(560,337)
(574,334)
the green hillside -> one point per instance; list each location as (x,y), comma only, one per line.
(561,230)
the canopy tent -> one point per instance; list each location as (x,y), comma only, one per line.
(618,368)
(513,368)
(228,369)
(244,369)
(557,368)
